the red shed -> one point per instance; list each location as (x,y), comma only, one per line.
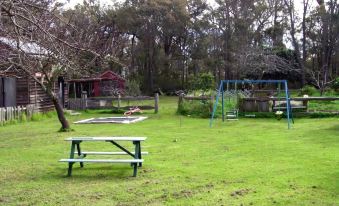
(106,84)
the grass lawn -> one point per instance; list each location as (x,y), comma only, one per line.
(248,162)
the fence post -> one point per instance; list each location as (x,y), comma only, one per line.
(156,103)
(8,115)
(305,104)
(29,111)
(83,102)
(2,119)
(15,113)
(19,113)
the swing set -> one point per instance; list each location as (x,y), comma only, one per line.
(227,92)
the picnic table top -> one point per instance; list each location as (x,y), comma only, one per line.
(106,139)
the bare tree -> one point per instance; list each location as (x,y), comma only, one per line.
(305,9)
(255,63)
(291,12)
(41,41)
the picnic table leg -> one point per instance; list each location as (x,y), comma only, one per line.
(136,156)
(135,169)
(140,157)
(71,156)
(79,153)
(137,153)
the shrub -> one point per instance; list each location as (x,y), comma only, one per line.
(50,114)
(132,88)
(210,92)
(203,82)
(331,92)
(23,118)
(117,111)
(308,90)
(195,108)
(335,85)
(13,121)
(37,117)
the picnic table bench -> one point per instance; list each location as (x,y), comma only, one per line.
(76,141)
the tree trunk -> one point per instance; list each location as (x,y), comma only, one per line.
(61,116)
(60,112)
(303,78)
(132,54)
(290,7)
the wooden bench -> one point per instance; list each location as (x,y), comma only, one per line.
(75,144)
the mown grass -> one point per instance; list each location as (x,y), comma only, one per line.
(248,162)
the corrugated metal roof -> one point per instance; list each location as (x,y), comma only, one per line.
(31,48)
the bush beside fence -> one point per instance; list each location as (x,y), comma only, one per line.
(201,106)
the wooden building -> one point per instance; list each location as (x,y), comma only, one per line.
(107,83)
(17,89)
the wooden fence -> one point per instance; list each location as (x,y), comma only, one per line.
(15,113)
(107,103)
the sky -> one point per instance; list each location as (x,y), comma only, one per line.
(72,3)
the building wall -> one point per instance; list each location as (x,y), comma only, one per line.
(22,91)
(30,92)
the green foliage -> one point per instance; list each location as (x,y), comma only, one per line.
(335,85)
(132,88)
(41,116)
(308,90)
(66,130)
(210,92)
(195,108)
(13,121)
(322,115)
(117,111)
(324,105)
(37,117)
(331,93)
(50,114)
(23,118)
(203,82)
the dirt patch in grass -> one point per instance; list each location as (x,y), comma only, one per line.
(183,194)
(4,200)
(146,171)
(240,193)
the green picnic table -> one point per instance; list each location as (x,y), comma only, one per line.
(136,155)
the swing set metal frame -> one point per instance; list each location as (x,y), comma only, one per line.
(221,91)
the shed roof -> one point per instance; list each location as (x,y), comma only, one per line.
(107,75)
(31,48)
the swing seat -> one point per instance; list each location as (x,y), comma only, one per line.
(232,114)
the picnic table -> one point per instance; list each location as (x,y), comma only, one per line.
(136,154)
